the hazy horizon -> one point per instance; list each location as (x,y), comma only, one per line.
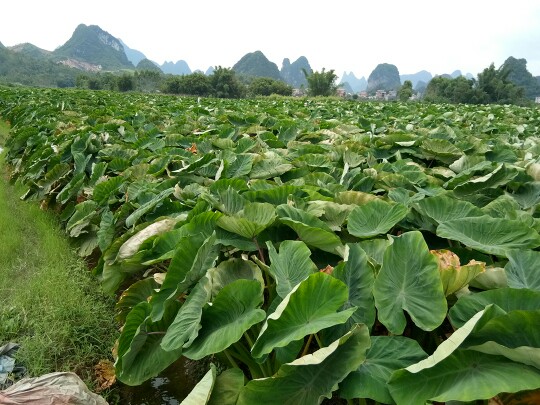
(348,37)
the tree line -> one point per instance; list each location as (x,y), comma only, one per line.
(492,86)
(222,83)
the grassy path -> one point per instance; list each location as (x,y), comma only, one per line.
(49,303)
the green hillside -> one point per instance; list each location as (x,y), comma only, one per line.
(92,45)
(256,64)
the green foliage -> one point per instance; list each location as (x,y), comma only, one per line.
(225,84)
(126,82)
(406,91)
(195,84)
(34,70)
(49,302)
(521,77)
(492,86)
(458,90)
(495,87)
(293,238)
(264,86)
(321,83)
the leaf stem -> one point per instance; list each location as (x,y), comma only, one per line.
(308,343)
(318,341)
(231,360)
(261,254)
(248,339)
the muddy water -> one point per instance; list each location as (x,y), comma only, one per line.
(169,388)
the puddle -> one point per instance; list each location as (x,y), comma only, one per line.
(169,388)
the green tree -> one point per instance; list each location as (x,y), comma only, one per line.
(126,82)
(447,90)
(265,86)
(196,84)
(406,91)
(321,83)
(148,80)
(495,87)
(225,84)
(172,85)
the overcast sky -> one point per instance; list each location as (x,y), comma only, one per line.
(342,35)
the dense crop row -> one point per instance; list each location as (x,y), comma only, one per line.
(317,247)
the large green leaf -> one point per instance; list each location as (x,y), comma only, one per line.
(312,377)
(311,306)
(454,373)
(466,375)
(359,277)
(409,281)
(103,191)
(136,293)
(514,335)
(140,355)
(249,222)
(500,176)
(234,310)
(523,269)
(290,266)
(386,355)
(227,387)
(231,270)
(490,235)
(241,166)
(148,206)
(185,326)
(193,257)
(374,218)
(309,228)
(443,208)
(269,167)
(508,299)
(528,194)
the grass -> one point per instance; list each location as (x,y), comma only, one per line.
(49,302)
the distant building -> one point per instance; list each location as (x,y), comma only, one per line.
(340,92)
(537,100)
(380,95)
(363,94)
(298,92)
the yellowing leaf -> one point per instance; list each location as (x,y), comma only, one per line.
(454,276)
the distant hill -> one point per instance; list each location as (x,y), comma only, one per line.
(347,87)
(520,76)
(292,73)
(209,71)
(415,78)
(30,50)
(179,68)
(133,55)
(384,77)
(147,64)
(356,84)
(26,66)
(93,46)
(256,64)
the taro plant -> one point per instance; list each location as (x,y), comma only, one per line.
(316,248)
